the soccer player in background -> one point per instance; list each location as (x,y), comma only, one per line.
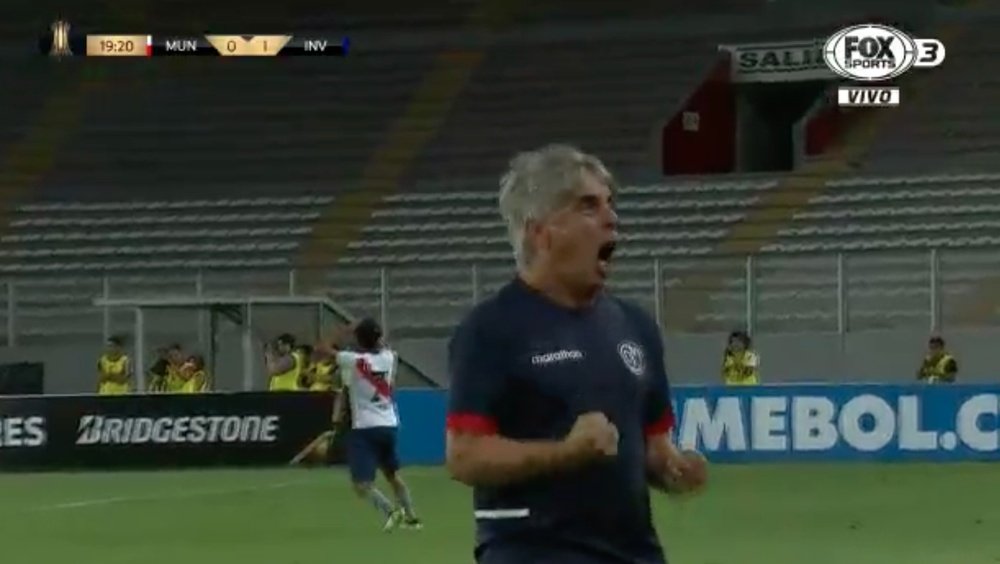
(368,376)
(114,369)
(559,409)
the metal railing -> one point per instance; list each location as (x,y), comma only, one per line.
(836,292)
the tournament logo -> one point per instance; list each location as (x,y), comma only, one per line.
(633,357)
(60,39)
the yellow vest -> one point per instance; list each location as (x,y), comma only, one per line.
(114,367)
(174,382)
(196,384)
(937,371)
(288,381)
(324,377)
(741,369)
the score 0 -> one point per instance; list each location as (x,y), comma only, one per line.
(248,46)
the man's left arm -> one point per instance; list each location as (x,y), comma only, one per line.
(663,458)
(666,466)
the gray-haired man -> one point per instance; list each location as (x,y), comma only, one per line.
(559,412)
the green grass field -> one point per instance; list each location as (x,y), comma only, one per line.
(792,514)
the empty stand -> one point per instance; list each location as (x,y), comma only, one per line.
(607,89)
(210,174)
(527,96)
(190,127)
(62,255)
(896,220)
(896,213)
(124,236)
(443,251)
(954,125)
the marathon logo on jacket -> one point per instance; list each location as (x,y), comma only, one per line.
(827,422)
(556,356)
(21,432)
(199,429)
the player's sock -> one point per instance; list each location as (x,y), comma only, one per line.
(405,501)
(380,502)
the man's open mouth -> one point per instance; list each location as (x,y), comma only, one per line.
(605,252)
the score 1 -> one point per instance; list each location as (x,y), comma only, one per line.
(248,46)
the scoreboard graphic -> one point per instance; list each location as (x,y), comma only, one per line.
(62,41)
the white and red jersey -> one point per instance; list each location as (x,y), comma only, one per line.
(370,376)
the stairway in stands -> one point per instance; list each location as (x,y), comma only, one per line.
(427,108)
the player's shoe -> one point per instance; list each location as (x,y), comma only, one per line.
(393,521)
(412,523)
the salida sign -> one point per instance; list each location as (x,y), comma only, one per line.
(778,62)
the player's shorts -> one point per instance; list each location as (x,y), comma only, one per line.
(520,552)
(369,450)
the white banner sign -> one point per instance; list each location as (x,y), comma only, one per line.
(779,62)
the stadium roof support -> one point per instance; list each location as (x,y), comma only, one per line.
(325,309)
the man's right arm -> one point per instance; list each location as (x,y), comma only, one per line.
(491,460)
(476,452)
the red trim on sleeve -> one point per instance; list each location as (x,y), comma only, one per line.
(661,426)
(471,423)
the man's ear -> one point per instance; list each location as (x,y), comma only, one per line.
(535,231)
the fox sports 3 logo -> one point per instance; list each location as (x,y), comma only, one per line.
(873,52)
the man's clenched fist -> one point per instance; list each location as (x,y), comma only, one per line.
(593,436)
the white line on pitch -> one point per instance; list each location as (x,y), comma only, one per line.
(171,495)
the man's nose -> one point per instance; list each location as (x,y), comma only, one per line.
(611,218)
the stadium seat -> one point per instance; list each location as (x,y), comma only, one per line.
(679,222)
(953,124)
(428,242)
(192,129)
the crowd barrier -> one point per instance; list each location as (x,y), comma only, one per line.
(158,430)
(792,423)
(738,425)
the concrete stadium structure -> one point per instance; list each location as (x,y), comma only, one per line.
(372,179)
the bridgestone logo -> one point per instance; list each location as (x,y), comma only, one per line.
(207,429)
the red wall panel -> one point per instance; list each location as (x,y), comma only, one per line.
(710,147)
